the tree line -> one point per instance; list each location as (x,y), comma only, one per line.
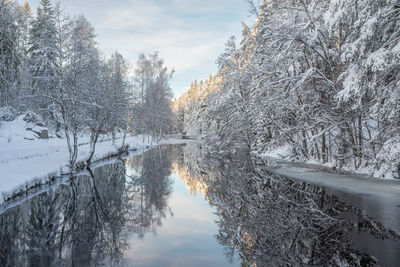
(50,64)
(318,77)
(192,103)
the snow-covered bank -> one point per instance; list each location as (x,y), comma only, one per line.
(26,160)
(384,172)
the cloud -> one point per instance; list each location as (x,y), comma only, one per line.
(141,14)
(189,34)
(181,49)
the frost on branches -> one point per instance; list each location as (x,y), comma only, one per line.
(319,77)
(50,65)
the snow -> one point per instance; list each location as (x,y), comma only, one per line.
(26,160)
(351,86)
(280,152)
(378,60)
(384,173)
(369,28)
(396,49)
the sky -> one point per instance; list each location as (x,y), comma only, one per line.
(188,34)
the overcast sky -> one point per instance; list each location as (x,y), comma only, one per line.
(189,34)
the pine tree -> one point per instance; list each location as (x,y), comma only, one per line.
(43,53)
(9,56)
(25,81)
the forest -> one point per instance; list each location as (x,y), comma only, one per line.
(318,80)
(53,73)
(269,161)
(312,80)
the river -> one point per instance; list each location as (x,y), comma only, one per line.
(181,205)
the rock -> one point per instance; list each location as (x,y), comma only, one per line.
(396,175)
(8,114)
(44,134)
(30,117)
(37,133)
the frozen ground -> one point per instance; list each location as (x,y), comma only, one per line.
(25,159)
(378,198)
(384,172)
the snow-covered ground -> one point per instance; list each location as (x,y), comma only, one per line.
(26,160)
(283,152)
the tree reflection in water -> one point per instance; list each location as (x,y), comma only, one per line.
(149,189)
(274,221)
(86,220)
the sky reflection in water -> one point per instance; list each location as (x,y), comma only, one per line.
(187,238)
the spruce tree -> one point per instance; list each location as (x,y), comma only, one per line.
(9,58)
(43,54)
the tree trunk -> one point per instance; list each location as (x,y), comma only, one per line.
(93,141)
(323,148)
(342,147)
(360,140)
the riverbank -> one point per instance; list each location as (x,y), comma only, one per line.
(26,160)
(23,164)
(384,172)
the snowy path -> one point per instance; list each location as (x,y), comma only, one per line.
(380,199)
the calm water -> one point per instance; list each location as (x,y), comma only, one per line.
(183,206)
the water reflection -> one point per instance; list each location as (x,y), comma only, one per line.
(86,221)
(274,221)
(107,216)
(149,188)
(76,224)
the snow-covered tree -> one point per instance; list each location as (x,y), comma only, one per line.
(43,52)
(10,58)
(319,77)
(154,93)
